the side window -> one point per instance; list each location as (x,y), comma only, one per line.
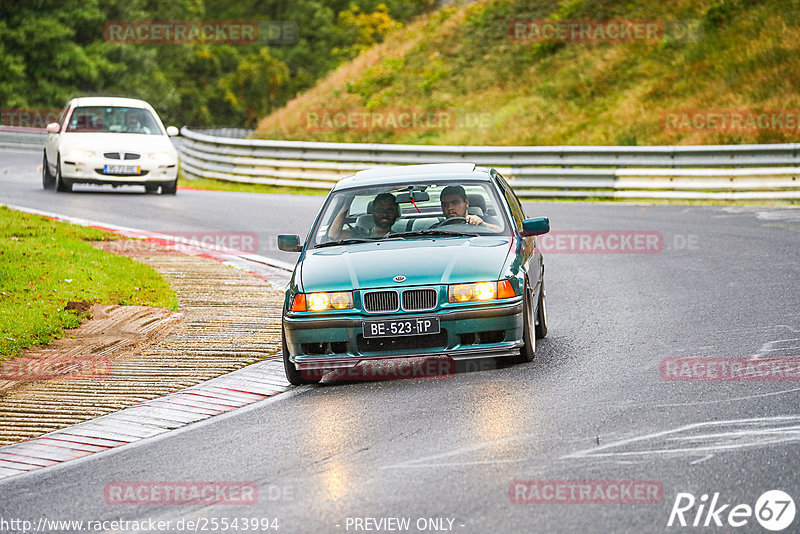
(62,117)
(516,209)
(513,202)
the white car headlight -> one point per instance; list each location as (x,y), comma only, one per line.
(159,156)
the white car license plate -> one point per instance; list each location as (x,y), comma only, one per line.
(401,327)
(121,169)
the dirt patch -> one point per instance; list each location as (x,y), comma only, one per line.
(80,306)
(88,352)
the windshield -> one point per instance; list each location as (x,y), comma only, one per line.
(436,208)
(113,119)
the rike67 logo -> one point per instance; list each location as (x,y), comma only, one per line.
(774,510)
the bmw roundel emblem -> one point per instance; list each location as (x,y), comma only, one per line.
(399,278)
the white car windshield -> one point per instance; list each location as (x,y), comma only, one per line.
(113,119)
(435,208)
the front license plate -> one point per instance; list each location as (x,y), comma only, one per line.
(401,327)
(121,169)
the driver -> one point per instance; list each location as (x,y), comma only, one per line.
(385,212)
(455,202)
(135,122)
(132,122)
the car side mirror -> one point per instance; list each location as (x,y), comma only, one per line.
(289,243)
(53,127)
(535,226)
(172,131)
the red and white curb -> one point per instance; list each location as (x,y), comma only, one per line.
(218,395)
(242,387)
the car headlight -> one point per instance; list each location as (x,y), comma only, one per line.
(480,291)
(339,300)
(158,155)
(84,154)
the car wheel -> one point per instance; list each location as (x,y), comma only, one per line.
(528,350)
(294,376)
(62,185)
(541,314)
(48,180)
(151,188)
(169,188)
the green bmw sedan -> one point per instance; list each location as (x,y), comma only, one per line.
(411,262)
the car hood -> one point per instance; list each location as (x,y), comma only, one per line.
(421,261)
(116,142)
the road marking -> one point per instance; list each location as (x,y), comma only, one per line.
(691,439)
(772,346)
(748,397)
(453,464)
(421,462)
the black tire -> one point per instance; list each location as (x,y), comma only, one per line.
(62,185)
(528,350)
(295,377)
(541,314)
(169,188)
(151,188)
(48,180)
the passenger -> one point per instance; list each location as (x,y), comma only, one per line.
(385,212)
(455,203)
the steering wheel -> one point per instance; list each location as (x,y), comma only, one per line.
(453,220)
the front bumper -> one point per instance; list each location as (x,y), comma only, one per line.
(340,342)
(91,172)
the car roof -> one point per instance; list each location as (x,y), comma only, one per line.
(404,174)
(112,101)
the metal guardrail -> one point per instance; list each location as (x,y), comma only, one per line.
(702,172)
(759,172)
(24,139)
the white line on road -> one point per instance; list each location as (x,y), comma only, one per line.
(744,433)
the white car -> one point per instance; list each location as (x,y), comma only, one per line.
(109,140)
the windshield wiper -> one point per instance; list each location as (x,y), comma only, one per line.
(429,232)
(344,242)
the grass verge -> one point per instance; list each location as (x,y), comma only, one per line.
(499,88)
(44,264)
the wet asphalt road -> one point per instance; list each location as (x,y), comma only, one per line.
(591,407)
